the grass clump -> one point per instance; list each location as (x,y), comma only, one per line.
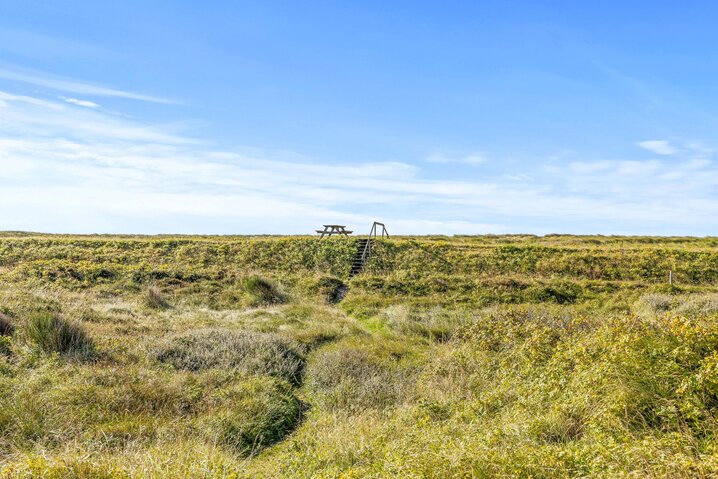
(155,299)
(53,334)
(701,304)
(653,304)
(354,379)
(262,291)
(435,324)
(332,289)
(558,427)
(561,292)
(245,351)
(112,410)
(7,327)
(256,414)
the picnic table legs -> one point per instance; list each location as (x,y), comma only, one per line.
(330,230)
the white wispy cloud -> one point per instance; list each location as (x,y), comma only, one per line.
(659,147)
(646,184)
(78,102)
(474,158)
(25,115)
(74,86)
(71,169)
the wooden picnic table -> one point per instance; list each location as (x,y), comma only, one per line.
(334,230)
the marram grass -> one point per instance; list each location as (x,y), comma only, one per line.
(466,357)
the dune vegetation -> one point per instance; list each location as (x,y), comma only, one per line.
(462,357)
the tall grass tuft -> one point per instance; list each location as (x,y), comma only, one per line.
(263,291)
(7,328)
(156,299)
(53,334)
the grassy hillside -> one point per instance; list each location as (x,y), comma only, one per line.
(229,357)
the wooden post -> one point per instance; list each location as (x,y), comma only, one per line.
(670,277)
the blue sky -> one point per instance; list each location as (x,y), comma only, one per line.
(435,117)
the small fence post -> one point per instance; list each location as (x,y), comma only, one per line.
(670,277)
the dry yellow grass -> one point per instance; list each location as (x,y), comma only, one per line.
(464,357)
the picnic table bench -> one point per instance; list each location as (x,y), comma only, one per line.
(334,230)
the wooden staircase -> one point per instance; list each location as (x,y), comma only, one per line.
(364,248)
(361,256)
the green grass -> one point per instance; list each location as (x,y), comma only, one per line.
(53,334)
(262,291)
(155,299)
(485,356)
(7,328)
(246,351)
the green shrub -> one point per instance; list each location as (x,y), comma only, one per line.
(53,334)
(561,292)
(246,351)
(249,291)
(263,291)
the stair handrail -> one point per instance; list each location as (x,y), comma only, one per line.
(365,253)
(367,246)
(383,230)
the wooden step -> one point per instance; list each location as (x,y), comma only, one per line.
(359,259)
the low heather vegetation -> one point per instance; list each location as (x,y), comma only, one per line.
(496,356)
(246,351)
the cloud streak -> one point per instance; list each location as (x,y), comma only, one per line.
(75,86)
(469,159)
(69,169)
(78,102)
(30,116)
(659,147)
